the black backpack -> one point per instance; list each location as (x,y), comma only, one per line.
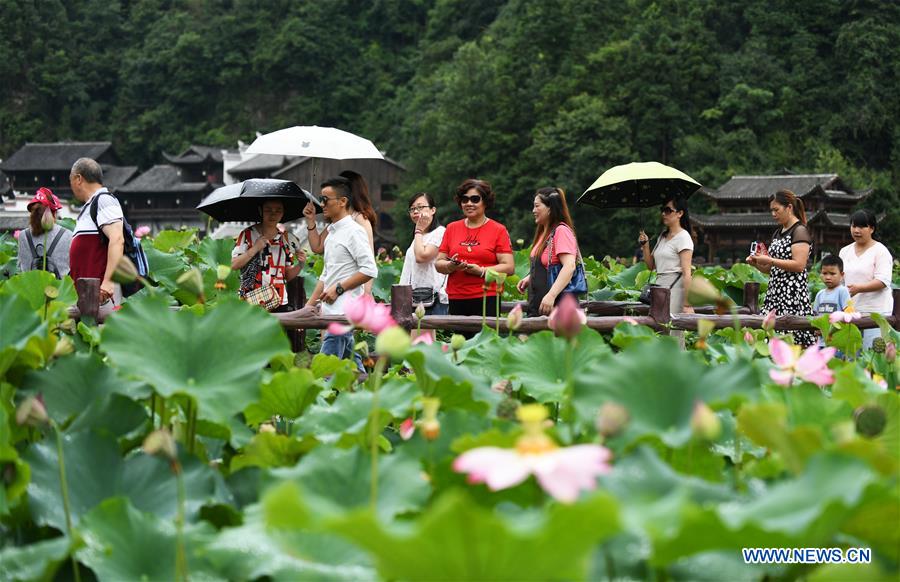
(37,263)
(133,248)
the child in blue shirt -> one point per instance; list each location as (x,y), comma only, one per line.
(835,295)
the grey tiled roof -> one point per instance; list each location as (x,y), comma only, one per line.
(761,187)
(259,163)
(115,176)
(160,179)
(764,219)
(196,154)
(53,156)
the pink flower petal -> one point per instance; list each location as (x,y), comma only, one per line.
(572,470)
(813,361)
(407,429)
(823,377)
(425,338)
(781,377)
(336,328)
(498,468)
(781,352)
(836,317)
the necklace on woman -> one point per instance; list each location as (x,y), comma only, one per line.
(472,240)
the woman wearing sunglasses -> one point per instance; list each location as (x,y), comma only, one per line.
(671,257)
(471,246)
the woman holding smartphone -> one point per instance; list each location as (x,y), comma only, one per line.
(471,246)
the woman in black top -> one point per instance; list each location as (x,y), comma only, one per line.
(786,262)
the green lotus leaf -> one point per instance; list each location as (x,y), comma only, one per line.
(286,394)
(215,251)
(165,267)
(169,241)
(20,324)
(124,543)
(216,358)
(17,473)
(271,450)
(82,392)
(766,425)
(349,413)
(626,334)
(627,278)
(95,471)
(30,286)
(455,539)
(540,363)
(335,480)
(255,550)
(37,561)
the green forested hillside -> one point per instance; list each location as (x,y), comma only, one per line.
(524,93)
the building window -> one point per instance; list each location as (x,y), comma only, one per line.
(388,192)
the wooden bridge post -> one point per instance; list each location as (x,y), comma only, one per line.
(401,305)
(751,297)
(88,298)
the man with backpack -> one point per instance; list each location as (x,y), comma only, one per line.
(98,244)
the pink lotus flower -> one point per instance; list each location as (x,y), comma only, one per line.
(748,337)
(769,320)
(810,366)
(514,318)
(561,472)
(567,319)
(630,320)
(407,429)
(424,338)
(141,231)
(845,316)
(363,312)
(16,234)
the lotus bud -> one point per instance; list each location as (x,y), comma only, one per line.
(890,351)
(407,429)
(705,423)
(141,231)
(702,292)
(32,412)
(457,342)
(492,276)
(879,345)
(748,337)
(507,408)
(567,319)
(870,420)
(420,311)
(514,318)
(431,427)
(267,427)
(705,327)
(768,322)
(161,442)
(393,341)
(222,272)
(611,418)
(125,271)
(502,387)
(47,220)
(16,234)
(192,282)
(64,347)
(362,348)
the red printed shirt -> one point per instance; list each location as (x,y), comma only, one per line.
(478,246)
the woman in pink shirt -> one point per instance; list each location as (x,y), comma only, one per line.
(867,271)
(553,228)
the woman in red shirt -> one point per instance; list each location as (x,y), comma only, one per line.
(551,215)
(471,246)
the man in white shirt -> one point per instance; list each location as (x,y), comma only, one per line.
(349,264)
(92,255)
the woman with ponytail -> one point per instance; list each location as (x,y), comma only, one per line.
(44,245)
(786,262)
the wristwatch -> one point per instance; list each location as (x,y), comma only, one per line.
(339,289)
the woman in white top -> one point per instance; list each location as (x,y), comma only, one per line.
(671,257)
(418,265)
(361,211)
(867,271)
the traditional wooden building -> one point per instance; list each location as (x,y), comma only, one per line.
(744,217)
(382,177)
(48,164)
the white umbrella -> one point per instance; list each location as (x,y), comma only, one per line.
(315,142)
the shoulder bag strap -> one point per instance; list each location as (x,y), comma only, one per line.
(55,242)
(30,242)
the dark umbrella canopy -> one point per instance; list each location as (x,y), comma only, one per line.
(638,185)
(240,202)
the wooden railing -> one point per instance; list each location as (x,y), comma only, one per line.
(602,315)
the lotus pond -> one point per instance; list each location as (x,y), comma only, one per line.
(190,442)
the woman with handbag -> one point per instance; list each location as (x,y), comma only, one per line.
(266,255)
(556,267)
(429,286)
(671,257)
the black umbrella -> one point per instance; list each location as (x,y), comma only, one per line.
(240,202)
(639,185)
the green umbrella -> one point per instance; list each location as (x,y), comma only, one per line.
(639,184)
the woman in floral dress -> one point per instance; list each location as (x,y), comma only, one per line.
(786,262)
